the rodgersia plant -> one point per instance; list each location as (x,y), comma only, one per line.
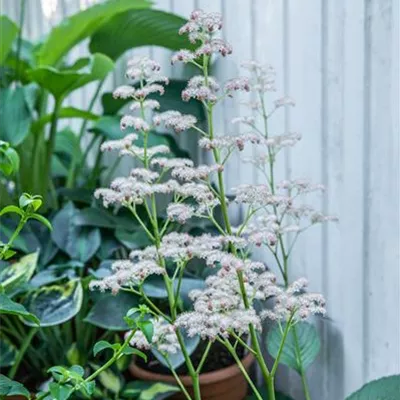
(225,309)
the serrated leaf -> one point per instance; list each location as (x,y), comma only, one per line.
(308,341)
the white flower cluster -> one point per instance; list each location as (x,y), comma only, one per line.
(164,338)
(126,274)
(228,143)
(197,88)
(175,120)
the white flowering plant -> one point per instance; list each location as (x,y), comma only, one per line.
(276,213)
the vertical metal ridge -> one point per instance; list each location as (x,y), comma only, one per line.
(286,74)
(366,184)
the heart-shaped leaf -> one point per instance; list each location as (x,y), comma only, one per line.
(12,388)
(109,311)
(7,306)
(15,275)
(55,304)
(8,32)
(177,359)
(387,388)
(80,243)
(303,336)
(60,83)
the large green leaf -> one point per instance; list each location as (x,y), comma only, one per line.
(100,217)
(67,143)
(80,243)
(65,113)
(109,311)
(387,388)
(133,240)
(15,275)
(12,388)
(61,82)
(55,304)
(16,113)
(308,342)
(135,28)
(81,25)
(177,359)
(26,241)
(8,32)
(8,352)
(7,306)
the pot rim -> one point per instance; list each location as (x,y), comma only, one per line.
(205,379)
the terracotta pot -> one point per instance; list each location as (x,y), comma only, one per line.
(225,384)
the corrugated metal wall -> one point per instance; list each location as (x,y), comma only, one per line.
(339,59)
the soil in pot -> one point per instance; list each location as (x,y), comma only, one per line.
(220,379)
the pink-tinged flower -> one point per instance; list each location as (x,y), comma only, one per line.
(180,212)
(184,56)
(124,92)
(146,104)
(175,120)
(122,144)
(237,84)
(136,123)
(284,101)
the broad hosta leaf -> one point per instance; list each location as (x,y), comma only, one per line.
(8,352)
(67,143)
(15,113)
(177,359)
(8,32)
(109,311)
(79,26)
(12,388)
(55,304)
(80,243)
(132,239)
(7,306)
(26,241)
(101,218)
(15,275)
(387,388)
(62,82)
(308,343)
(65,113)
(136,28)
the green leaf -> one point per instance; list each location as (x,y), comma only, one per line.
(110,381)
(12,209)
(80,243)
(102,345)
(387,388)
(135,28)
(43,220)
(8,32)
(60,392)
(147,329)
(7,306)
(8,352)
(158,391)
(12,388)
(109,311)
(9,159)
(308,341)
(60,83)
(131,351)
(132,240)
(15,275)
(65,113)
(55,304)
(67,143)
(15,114)
(177,359)
(101,218)
(79,26)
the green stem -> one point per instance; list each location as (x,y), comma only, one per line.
(178,380)
(21,224)
(74,163)
(204,357)
(302,371)
(50,145)
(242,368)
(21,352)
(283,340)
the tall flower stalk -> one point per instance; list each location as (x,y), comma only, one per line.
(225,310)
